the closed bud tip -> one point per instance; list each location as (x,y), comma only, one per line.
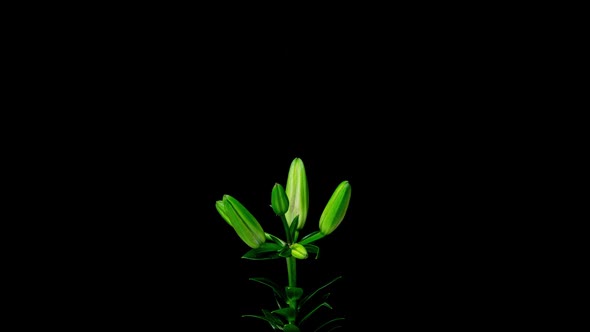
(243,222)
(279,200)
(297,193)
(335,210)
(221,210)
(298,251)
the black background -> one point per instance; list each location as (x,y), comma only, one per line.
(173,109)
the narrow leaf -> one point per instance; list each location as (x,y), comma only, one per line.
(270,321)
(317,290)
(265,251)
(255,255)
(278,300)
(276,239)
(293,293)
(288,313)
(312,248)
(274,318)
(311,237)
(327,323)
(274,286)
(324,304)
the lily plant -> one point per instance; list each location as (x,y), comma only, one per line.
(291,204)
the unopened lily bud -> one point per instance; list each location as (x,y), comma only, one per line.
(243,222)
(279,200)
(221,210)
(298,251)
(298,193)
(335,210)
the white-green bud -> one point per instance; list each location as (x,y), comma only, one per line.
(298,193)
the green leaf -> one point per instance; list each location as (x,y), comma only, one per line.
(291,328)
(323,304)
(274,286)
(278,300)
(335,327)
(261,256)
(269,247)
(312,248)
(265,251)
(293,293)
(311,237)
(288,313)
(274,318)
(308,297)
(285,252)
(329,322)
(271,321)
(276,239)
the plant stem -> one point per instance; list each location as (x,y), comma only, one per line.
(287,233)
(292,275)
(291,266)
(292,271)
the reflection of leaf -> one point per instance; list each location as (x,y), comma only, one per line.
(274,286)
(305,299)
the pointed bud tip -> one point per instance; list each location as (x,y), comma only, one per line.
(279,200)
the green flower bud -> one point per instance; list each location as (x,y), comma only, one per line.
(297,193)
(279,200)
(221,210)
(298,251)
(243,222)
(335,209)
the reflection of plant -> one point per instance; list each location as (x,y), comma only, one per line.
(290,204)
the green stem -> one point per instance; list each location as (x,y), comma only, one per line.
(292,275)
(292,271)
(291,267)
(287,233)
